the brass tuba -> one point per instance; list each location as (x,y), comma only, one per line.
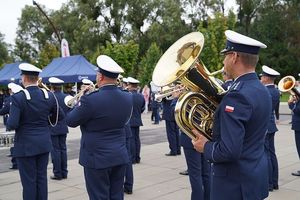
(195,107)
(287,84)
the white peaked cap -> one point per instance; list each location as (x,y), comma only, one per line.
(269,71)
(241,43)
(29,68)
(108,66)
(86,81)
(55,80)
(14,87)
(132,80)
(242,39)
(125,80)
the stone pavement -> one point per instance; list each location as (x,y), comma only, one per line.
(156,177)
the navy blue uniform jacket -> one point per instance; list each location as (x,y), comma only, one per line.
(240,167)
(6,105)
(138,108)
(102,116)
(61,128)
(29,119)
(295,107)
(275,95)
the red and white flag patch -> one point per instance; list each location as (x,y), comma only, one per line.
(229,109)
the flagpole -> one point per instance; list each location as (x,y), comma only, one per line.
(55,30)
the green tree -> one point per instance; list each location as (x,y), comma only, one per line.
(126,55)
(47,53)
(278,27)
(33,33)
(4,57)
(148,63)
(247,12)
(215,40)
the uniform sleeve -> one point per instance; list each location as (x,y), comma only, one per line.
(5,109)
(235,110)
(297,108)
(80,113)
(14,114)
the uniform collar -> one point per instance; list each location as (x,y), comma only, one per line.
(247,76)
(270,85)
(108,86)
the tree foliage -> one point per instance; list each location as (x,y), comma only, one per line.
(148,63)
(126,55)
(136,32)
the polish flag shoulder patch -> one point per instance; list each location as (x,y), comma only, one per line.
(229,109)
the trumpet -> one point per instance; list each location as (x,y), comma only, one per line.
(71,101)
(287,84)
(167,93)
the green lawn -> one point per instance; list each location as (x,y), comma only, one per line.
(284,97)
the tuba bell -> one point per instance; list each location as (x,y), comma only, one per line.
(195,107)
(287,84)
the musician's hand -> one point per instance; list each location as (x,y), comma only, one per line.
(178,91)
(199,142)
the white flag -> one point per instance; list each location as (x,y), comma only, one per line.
(65,52)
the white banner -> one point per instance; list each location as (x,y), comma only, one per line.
(65,52)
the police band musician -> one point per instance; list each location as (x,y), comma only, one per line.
(267,78)
(102,116)
(237,153)
(29,116)
(59,133)
(13,89)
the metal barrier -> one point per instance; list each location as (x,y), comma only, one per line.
(7,139)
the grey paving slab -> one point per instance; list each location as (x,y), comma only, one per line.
(156,177)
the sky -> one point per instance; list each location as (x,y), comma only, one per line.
(11,10)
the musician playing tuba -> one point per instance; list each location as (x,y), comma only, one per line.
(237,153)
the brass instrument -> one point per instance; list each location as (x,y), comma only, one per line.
(71,101)
(42,85)
(195,108)
(167,93)
(287,84)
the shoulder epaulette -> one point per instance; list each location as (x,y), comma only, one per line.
(236,86)
(27,94)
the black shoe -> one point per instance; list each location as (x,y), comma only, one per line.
(13,167)
(127,191)
(64,177)
(296,173)
(185,172)
(138,162)
(276,187)
(179,153)
(55,178)
(170,154)
(270,188)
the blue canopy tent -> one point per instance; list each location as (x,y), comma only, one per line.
(71,69)
(10,73)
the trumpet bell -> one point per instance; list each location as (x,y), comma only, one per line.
(68,100)
(178,59)
(286,83)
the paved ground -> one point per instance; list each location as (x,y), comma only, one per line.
(156,177)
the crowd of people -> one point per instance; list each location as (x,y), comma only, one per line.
(239,162)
